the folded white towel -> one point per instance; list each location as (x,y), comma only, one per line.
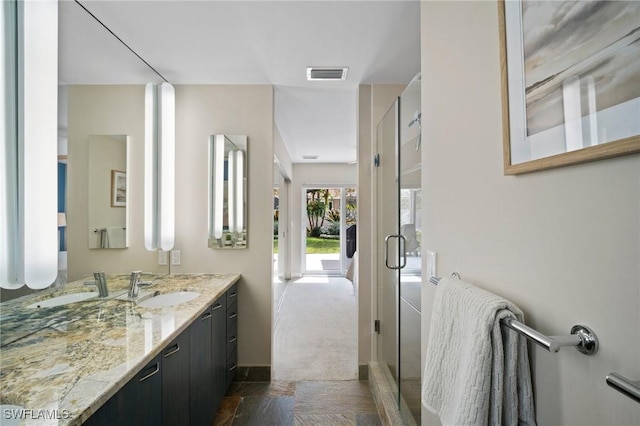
(476,373)
(116,237)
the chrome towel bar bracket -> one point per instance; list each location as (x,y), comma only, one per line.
(624,385)
(582,337)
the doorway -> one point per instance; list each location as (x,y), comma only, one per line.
(329,243)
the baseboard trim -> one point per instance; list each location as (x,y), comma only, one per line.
(253,374)
(363,372)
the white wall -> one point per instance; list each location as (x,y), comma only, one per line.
(200,111)
(319,176)
(281,154)
(562,244)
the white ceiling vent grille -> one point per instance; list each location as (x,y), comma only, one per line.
(310,157)
(327,73)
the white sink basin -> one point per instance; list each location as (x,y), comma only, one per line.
(168,299)
(64,299)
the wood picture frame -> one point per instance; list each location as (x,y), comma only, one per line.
(118,188)
(558,119)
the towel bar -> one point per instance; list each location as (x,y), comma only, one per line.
(624,385)
(582,337)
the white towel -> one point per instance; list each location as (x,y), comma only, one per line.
(115,237)
(475,372)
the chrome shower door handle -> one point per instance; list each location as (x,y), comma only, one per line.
(403,253)
(386,251)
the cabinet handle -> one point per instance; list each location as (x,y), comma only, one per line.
(233,367)
(233,339)
(175,348)
(206,316)
(233,315)
(153,373)
(232,295)
(217,306)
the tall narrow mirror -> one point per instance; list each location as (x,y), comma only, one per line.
(108,191)
(227,191)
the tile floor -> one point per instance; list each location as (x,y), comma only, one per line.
(304,403)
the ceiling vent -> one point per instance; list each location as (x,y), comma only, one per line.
(327,73)
(310,157)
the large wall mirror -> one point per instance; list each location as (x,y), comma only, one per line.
(227,191)
(107,182)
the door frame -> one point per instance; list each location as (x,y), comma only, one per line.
(343,227)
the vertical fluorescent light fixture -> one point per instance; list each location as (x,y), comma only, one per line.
(218,182)
(239,195)
(28,248)
(231,192)
(159,182)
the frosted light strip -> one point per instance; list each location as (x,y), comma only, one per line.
(240,191)
(38,141)
(231,191)
(166,172)
(218,182)
(150,168)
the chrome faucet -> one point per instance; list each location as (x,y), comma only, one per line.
(101,284)
(134,284)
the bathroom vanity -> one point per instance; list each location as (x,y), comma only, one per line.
(114,361)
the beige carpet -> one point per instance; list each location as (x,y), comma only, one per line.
(315,333)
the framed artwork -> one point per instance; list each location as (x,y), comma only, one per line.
(118,188)
(570,82)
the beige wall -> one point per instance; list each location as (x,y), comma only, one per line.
(106,153)
(562,244)
(105,110)
(373,103)
(200,112)
(236,110)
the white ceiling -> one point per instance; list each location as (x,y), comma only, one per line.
(252,42)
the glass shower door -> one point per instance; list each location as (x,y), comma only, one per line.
(399,260)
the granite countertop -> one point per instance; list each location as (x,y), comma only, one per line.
(67,361)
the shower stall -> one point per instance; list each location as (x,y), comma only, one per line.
(399,249)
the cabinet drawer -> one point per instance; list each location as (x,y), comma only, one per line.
(232,294)
(232,365)
(232,319)
(232,341)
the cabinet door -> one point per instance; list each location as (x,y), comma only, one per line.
(175,382)
(201,370)
(219,350)
(138,403)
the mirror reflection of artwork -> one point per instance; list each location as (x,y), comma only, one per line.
(118,188)
(107,184)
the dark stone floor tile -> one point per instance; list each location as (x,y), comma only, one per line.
(265,410)
(368,419)
(276,388)
(335,397)
(227,411)
(324,420)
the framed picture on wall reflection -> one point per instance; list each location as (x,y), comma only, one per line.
(570,82)
(118,188)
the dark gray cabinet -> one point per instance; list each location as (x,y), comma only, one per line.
(138,403)
(219,351)
(201,370)
(186,383)
(176,390)
(231,335)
